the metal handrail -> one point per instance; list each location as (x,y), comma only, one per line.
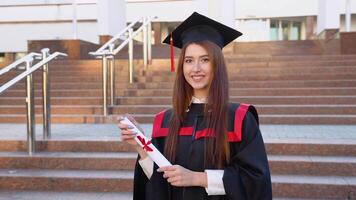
(30,70)
(19,61)
(108,51)
(116,37)
(122,45)
(30,100)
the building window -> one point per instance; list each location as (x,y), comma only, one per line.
(274,30)
(2,57)
(295,31)
(285,30)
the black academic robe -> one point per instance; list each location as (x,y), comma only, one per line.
(247,175)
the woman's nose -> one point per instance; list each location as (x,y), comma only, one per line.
(197,66)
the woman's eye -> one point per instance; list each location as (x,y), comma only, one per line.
(204,60)
(188,60)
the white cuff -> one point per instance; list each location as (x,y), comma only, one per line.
(215,182)
(147,166)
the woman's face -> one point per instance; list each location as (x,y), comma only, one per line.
(198,69)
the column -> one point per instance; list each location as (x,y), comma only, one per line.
(328,15)
(219,10)
(309,26)
(348,16)
(111,18)
(280,30)
(156,26)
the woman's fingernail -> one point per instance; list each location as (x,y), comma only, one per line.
(130,127)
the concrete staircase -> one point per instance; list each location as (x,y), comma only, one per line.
(286,90)
(304,171)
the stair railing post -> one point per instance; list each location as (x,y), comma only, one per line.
(131,67)
(30,108)
(112,74)
(46,104)
(149,42)
(145,48)
(105,86)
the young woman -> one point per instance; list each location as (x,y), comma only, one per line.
(216,147)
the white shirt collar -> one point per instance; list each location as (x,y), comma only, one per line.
(197,100)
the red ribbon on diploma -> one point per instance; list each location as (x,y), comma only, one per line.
(145,145)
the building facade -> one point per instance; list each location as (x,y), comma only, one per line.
(23,20)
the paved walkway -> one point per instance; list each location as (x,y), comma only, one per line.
(110,132)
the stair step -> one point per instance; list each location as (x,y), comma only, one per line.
(257,92)
(307,147)
(262,109)
(68,93)
(55,109)
(266,100)
(290,77)
(297,147)
(69,160)
(153,109)
(69,145)
(97,92)
(314,186)
(66,180)
(121,181)
(54,100)
(148,118)
(234,69)
(275,119)
(265,63)
(293,57)
(258,84)
(279,164)
(67,195)
(313,165)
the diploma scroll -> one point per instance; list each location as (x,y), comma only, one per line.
(146,144)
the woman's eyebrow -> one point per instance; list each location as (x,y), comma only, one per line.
(199,56)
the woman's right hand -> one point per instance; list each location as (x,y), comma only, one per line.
(127,135)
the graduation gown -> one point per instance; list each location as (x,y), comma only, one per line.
(247,175)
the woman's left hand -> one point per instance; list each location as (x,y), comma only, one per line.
(177,175)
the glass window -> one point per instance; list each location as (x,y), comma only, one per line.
(290,30)
(274,30)
(295,31)
(2,57)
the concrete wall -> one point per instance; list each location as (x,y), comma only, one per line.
(33,20)
(22,20)
(283,8)
(166,11)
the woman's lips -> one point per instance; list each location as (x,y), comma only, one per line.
(197,77)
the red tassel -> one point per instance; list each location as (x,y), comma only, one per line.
(172,54)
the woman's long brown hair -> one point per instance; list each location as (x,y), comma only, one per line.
(216,152)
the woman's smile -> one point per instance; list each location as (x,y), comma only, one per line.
(198,77)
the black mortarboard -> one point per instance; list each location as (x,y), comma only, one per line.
(197,28)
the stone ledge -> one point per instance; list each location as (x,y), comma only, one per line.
(347,42)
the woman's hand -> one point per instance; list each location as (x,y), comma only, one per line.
(128,136)
(177,175)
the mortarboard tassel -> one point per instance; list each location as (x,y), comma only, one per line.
(172,53)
